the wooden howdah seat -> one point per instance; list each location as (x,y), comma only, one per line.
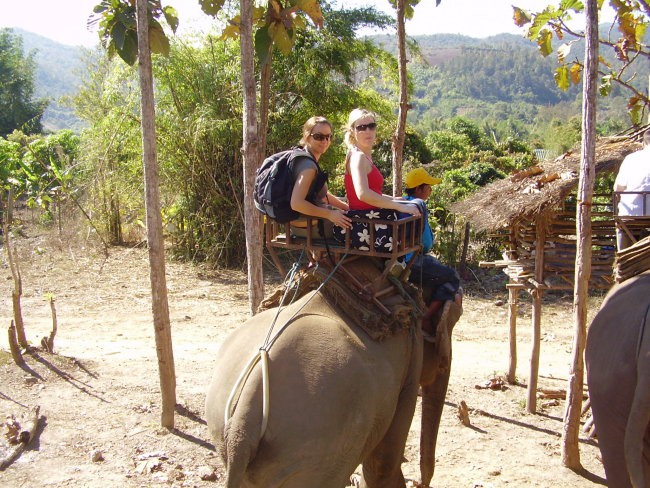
(378,292)
(406,232)
(635,226)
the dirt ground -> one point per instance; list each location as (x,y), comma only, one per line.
(99,394)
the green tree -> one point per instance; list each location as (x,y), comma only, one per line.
(617,69)
(18,109)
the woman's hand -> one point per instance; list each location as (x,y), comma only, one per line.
(409,209)
(339,218)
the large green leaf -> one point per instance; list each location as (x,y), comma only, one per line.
(158,42)
(129,52)
(540,21)
(263,44)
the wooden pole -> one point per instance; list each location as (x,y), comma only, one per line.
(573,409)
(513,295)
(540,238)
(155,241)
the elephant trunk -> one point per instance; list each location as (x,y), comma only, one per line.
(433,400)
(434,380)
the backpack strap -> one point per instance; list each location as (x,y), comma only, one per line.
(321,176)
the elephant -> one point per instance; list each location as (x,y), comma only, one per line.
(337,398)
(617,356)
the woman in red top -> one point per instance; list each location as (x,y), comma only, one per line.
(363,181)
(363,187)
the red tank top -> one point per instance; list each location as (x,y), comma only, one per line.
(375,183)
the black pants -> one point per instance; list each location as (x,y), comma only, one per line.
(443,279)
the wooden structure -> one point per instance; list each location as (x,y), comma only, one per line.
(534,212)
(328,252)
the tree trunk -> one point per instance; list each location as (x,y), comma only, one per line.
(160,306)
(570,449)
(400,131)
(250,153)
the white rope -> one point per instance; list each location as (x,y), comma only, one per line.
(263,356)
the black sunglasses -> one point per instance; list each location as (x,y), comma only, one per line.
(322,137)
(362,127)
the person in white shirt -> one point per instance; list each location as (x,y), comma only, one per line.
(633,176)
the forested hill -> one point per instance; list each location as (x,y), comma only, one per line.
(58,73)
(496,78)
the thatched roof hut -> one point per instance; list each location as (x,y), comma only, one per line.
(537,190)
(530,211)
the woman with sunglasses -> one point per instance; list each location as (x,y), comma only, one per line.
(364,184)
(305,197)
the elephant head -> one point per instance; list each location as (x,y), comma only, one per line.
(336,397)
(617,356)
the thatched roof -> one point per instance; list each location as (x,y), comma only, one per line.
(540,189)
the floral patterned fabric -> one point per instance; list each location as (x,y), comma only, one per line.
(360,232)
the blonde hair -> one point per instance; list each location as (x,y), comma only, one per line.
(357,114)
(309,126)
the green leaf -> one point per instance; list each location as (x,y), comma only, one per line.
(605,87)
(129,52)
(263,43)
(158,42)
(539,22)
(562,78)
(211,7)
(575,5)
(544,42)
(171,17)
(118,33)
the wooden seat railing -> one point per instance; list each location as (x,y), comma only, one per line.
(406,233)
(632,225)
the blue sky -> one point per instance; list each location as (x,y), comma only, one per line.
(65,20)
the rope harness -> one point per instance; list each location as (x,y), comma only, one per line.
(263,353)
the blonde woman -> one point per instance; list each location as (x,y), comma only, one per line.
(364,184)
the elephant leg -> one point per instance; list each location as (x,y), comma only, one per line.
(610,431)
(637,455)
(382,468)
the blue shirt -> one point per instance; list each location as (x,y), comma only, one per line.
(427,233)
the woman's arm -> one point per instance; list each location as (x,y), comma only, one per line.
(335,201)
(300,203)
(359,169)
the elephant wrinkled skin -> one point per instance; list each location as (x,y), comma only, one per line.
(337,399)
(617,355)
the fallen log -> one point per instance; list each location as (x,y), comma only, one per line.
(24,438)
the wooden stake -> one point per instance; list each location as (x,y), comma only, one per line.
(14,347)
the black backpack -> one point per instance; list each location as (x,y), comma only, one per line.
(274,183)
